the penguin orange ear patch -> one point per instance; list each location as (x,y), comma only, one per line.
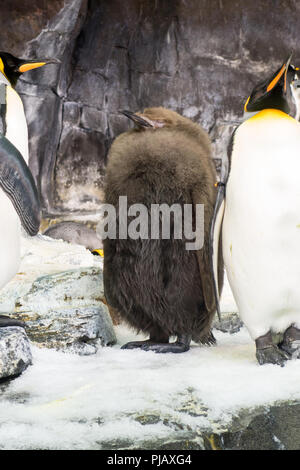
(277,78)
(245,107)
(1,66)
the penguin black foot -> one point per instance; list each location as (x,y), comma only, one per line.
(271,355)
(7,321)
(136,344)
(268,353)
(291,342)
(181,345)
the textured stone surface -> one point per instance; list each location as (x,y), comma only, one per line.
(78,330)
(200,59)
(65,311)
(15,352)
(268,428)
(58,293)
(265,428)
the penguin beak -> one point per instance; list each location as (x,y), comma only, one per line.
(30,65)
(137,119)
(280,75)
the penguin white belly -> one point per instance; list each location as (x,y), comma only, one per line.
(16,130)
(9,240)
(261,226)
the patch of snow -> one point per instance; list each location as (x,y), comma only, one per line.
(42,254)
(69,402)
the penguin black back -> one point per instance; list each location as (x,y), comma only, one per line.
(157,285)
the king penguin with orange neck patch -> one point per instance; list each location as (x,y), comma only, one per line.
(261,224)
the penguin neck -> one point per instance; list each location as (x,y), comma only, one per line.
(248,115)
(296,97)
(267,112)
(4,80)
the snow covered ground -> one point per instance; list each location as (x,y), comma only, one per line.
(130,399)
(124,398)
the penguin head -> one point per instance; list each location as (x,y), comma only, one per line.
(154,118)
(275,92)
(12,67)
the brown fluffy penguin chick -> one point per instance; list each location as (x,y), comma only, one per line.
(157,285)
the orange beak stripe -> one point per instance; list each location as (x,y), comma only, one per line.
(275,80)
(285,74)
(25,67)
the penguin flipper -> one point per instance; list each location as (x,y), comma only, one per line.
(214,241)
(17,182)
(217,221)
(203,258)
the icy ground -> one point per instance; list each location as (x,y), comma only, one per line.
(124,398)
(130,399)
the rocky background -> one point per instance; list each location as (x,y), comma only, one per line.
(198,57)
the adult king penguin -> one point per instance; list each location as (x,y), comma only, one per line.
(156,284)
(19,200)
(261,225)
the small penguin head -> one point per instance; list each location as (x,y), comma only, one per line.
(274,92)
(12,67)
(154,118)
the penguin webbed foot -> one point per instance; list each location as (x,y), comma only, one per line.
(6,321)
(269,353)
(291,342)
(181,345)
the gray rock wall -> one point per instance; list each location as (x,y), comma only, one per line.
(198,57)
